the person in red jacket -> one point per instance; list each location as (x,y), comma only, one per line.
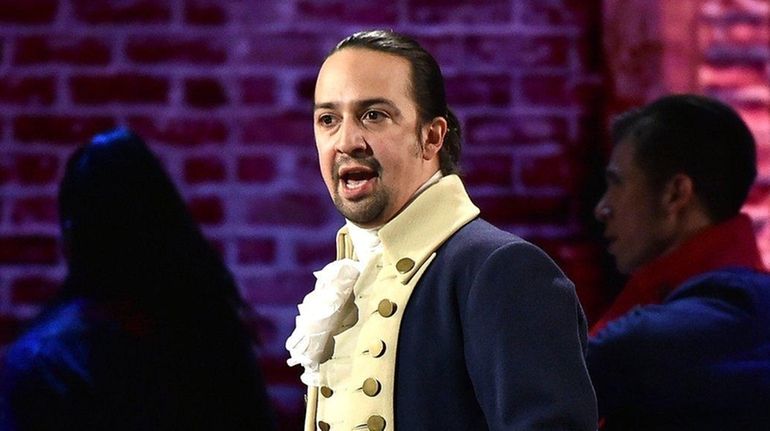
(686,344)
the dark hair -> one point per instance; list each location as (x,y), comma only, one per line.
(427,85)
(131,241)
(699,137)
(128,233)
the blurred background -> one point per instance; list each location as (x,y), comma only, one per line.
(222,92)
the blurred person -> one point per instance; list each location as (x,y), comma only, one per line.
(145,333)
(431,319)
(686,344)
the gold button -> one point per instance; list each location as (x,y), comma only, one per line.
(372,387)
(326,391)
(404,265)
(377,348)
(323,426)
(386,308)
(376,423)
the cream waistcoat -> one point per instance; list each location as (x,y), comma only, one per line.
(358,381)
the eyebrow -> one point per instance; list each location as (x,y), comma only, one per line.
(365,103)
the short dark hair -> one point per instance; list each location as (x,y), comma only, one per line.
(699,137)
(427,85)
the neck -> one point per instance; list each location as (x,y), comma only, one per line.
(690,224)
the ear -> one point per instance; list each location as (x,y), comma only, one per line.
(679,194)
(433,137)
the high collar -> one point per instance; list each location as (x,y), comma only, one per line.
(728,244)
(418,230)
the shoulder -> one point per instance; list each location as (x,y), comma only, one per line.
(724,307)
(479,241)
(53,347)
(735,285)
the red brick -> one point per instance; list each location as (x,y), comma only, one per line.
(204,93)
(542,90)
(278,288)
(287,209)
(758,194)
(28,249)
(34,210)
(256,169)
(458,11)
(258,90)
(175,49)
(487,170)
(204,170)
(59,129)
(122,12)
(344,12)
(494,130)
(447,49)
(207,210)
(291,128)
(314,254)
(181,131)
(517,51)
(27,90)
(124,88)
(285,49)
(305,89)
(485,90)
(514,209)
(558,14)
(33,290)
(205,12)
(256,250)
(553,170)
(28,12)
(61,49)
(7,170)
(36,168)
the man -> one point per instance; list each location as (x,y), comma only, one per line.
(686,345)
(432,319)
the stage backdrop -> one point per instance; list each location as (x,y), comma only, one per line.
(222,92)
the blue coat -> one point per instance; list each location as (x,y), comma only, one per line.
(492,338)
(699,361)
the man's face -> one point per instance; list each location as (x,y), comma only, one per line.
(366,130)
(635,225)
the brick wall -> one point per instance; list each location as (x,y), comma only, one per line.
(222,92)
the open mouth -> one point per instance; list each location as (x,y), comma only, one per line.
(356,177)
(356,181)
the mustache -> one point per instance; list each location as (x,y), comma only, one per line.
(370,162)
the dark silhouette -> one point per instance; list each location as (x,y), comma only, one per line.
(145,333)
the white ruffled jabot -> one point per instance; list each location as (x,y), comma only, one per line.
(319,316)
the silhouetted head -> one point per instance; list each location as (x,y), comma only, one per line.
(679,165)
(127,231)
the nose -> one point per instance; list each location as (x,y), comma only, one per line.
(351,138)
(603,211)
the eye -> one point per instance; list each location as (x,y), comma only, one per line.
(374,116)
(326,120)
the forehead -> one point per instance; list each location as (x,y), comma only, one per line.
(359,73)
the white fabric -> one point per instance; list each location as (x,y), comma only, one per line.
(321,312)
(366,242)
(319,315)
